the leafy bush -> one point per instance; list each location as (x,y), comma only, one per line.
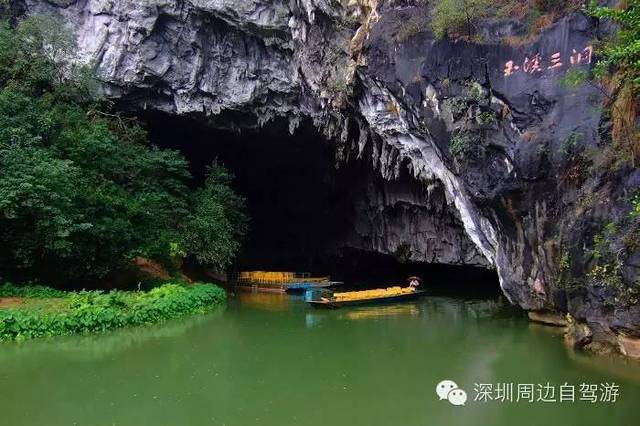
(458,106)
(487,117)
(29,291)
(623,51)
(574,78)
(213,229)
(609,260)
(457,17)
(81,191)
(461,144)
(95,311)
(635,207)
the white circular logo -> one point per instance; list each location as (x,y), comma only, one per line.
(449,390)
(457,397)
(444,387)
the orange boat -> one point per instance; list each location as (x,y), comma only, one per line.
(391,294)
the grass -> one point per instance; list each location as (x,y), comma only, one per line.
(41,311)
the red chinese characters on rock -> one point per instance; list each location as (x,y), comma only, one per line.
(555,61)
(510,68)
(537,64)
(532,65)
(583,57)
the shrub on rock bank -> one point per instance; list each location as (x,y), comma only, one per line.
(47,312)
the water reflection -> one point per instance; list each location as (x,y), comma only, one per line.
(435,309)
(314,317)
(613,365)
(96,346)
(365,313)
(265,301)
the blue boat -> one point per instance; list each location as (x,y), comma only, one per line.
(308,285)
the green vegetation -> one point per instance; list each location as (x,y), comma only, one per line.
(622,53)
(635,207)
(458,106)
(472,113)
(569,144)
(618,71)
(617,76)
(47,312)
(81,190)
(31,291)
(565,261)
(462,143)
(563,278)
(487,117)
(574,78)
(460,18)
(611,247)
(457,17)
(211,230)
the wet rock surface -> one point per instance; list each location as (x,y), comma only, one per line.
(503,150)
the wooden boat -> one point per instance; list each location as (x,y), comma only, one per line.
(281,282)
(325,299)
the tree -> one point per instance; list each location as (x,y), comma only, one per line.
(81,191)
(455,17)
(622,52)
(213,230)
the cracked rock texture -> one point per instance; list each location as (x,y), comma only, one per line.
(490,148)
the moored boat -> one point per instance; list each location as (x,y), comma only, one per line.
(281,282)
(328,299)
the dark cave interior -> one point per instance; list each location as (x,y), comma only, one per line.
(299,203)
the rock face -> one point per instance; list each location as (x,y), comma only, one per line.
(410,220)
(505,151)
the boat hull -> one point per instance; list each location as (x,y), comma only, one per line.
(293,287)
(333,304)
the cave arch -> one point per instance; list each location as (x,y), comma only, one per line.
(309,212)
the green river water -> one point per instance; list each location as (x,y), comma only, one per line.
(271,360)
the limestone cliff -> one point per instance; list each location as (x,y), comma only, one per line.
(504,147)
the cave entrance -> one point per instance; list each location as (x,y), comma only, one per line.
(300,205)
(289,182)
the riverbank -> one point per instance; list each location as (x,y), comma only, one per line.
(37,311)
